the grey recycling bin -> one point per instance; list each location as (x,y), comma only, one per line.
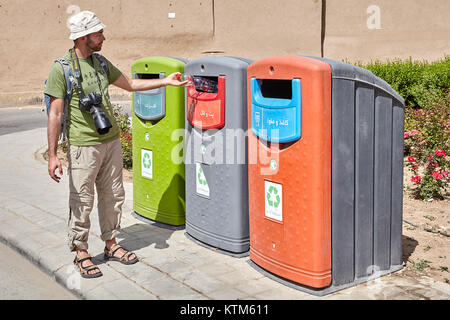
(216,154)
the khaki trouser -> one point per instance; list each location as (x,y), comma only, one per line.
(99,165)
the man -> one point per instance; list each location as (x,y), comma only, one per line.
(94,158)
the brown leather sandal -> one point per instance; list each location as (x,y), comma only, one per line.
(84,271)
(109,255)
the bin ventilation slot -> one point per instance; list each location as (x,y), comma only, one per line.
(276,89)
(206,84)
(147,76)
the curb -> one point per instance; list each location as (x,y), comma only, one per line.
(37,262)
(39,154)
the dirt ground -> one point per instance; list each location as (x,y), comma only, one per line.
(424,252)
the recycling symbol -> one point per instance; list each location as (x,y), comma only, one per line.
(201,177)
(146,161)
(273,164)
(273,191)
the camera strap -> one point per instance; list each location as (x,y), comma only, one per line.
(77,73)
(96,74)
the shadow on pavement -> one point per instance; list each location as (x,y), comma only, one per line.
(408,247)
(140,236)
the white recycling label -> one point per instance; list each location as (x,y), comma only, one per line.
(147,163)
(201,183)
(273,200)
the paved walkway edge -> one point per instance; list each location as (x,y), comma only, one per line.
(33,222)
(40,264)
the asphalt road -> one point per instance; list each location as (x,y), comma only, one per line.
(28,118)
(21,280)
(21,119)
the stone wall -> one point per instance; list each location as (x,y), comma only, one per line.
(34,33)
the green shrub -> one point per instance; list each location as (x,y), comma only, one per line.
(426,90)
(427,141)
(418,82)
(124,123)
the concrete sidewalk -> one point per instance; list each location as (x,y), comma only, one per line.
(33,220)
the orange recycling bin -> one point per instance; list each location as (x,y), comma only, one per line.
(325,163)
(289,115)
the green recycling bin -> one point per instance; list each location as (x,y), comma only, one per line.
(158,169)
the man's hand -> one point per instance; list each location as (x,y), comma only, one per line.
(53,164)
(174,80)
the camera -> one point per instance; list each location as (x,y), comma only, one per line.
(92,103)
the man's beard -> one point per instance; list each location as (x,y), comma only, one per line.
(93,47)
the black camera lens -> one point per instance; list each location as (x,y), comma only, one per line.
(101,121)
(92,103)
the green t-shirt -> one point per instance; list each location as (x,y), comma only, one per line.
(81,129)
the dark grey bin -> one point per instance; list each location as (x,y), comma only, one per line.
(367,122)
